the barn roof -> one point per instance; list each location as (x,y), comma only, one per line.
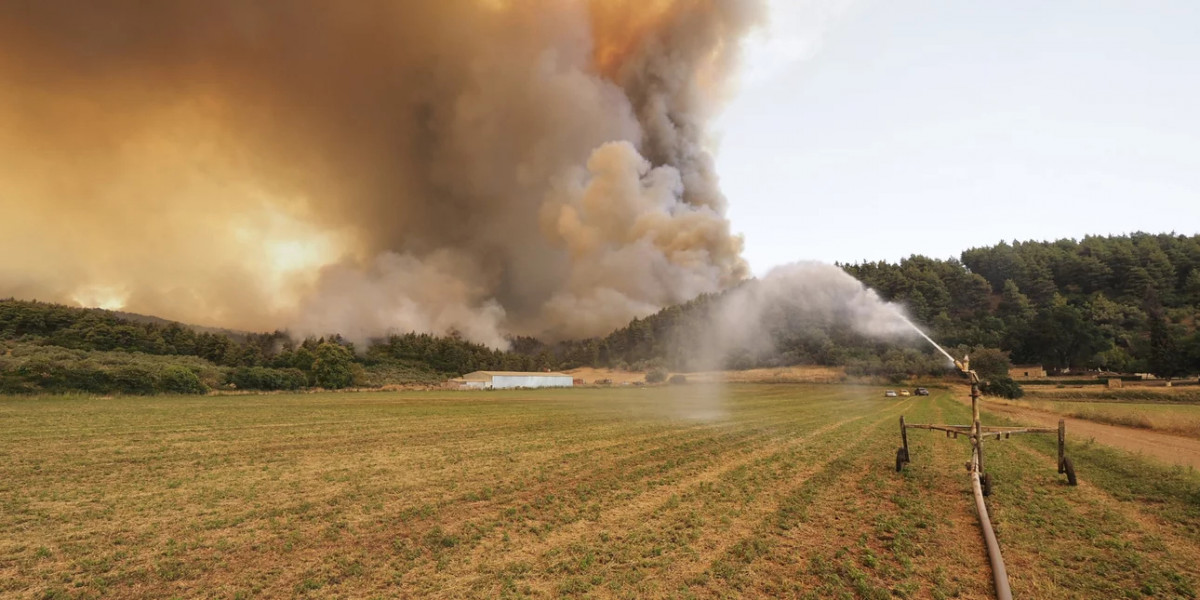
(486,374)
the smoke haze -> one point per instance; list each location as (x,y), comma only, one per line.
(484,166)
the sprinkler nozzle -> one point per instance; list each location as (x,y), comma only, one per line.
(964,365)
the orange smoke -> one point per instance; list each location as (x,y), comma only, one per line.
(620,27)
(366,166)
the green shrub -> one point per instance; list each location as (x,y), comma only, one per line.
(331,369)
(267,379)
(11,383)
(292,379)
(678,379)
(175,379)
(134,380)
(81,377)
(1002,386)
(33,368)
(656,375)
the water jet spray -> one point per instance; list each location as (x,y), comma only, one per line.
(930,340)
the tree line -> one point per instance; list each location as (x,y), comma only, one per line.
(54,348)
(51,348)
(1118,303)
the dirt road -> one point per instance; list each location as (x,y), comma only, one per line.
(1168,448)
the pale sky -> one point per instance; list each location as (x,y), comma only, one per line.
(876,129)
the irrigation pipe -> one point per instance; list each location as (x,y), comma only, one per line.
(999,573)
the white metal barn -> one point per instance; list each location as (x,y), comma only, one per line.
(515,379)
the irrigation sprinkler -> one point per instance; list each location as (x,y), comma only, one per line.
(977,433)
(981,481)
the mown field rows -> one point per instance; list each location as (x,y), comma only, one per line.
(687,491)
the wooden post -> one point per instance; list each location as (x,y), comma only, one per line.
(904,438)
(1062,442)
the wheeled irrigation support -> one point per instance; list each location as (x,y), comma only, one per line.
(981,482)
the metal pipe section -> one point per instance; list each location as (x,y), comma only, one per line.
(999,572)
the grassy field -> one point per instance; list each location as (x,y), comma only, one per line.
(751,491)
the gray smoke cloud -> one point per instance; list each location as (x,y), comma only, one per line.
(480,166)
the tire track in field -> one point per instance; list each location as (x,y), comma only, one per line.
(424,576)
(1180,551)
(319,548)
(375,435)
(758,522)
(675,454)
(749,512)
(638,445)
(754,439)
(935,492)
(848,531)
(629,514)
(680,438)
(312,551)
(602,444)
(1185,533)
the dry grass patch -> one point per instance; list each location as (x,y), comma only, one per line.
(677,491)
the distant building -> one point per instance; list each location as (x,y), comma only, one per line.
(514,379)
(1026,372)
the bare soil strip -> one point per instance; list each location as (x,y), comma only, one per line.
(1171,449)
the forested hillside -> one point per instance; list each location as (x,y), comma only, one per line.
(1121,303)
(54,348)
(1124,303)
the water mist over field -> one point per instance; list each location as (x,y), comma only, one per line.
(792,299)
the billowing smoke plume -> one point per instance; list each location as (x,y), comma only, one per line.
(483,166)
